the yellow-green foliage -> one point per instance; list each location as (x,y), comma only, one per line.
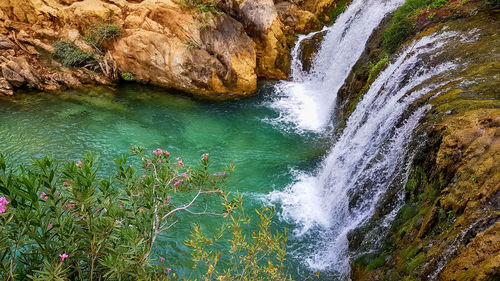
(258,256)
(204,8)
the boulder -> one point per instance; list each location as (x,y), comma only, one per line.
(14,78)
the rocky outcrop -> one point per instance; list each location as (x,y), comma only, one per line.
(448,228)
(197,49)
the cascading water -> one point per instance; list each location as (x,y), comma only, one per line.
(369,156)
(307,101)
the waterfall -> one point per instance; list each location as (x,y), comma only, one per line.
(368,156)
(307,101)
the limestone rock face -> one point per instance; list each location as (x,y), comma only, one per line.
(296,19)
(262,21)
(216,59)
(164,42)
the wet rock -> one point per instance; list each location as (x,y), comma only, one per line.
(309,49)
(479,260)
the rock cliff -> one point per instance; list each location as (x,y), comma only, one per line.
(211,48)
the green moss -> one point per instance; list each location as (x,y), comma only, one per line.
(416,262)
(431,192)
(340,7)
(363,260)
(376,263)
(70,55)
(407,212)
(371,261)
(409,253)
(376,68)
(398,33)
(403,24)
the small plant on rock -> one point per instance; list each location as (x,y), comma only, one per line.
(70,55)
(97,34)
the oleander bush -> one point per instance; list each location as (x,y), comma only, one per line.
(70,221)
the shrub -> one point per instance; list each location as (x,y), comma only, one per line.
(70,55)
(127,76)
(206,8)
(97,34)
(66,222)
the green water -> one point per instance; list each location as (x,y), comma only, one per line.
(69,124)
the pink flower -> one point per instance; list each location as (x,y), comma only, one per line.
(63,256)
(42,195)
(46,197)
(130,165)
(98,210)
(148,164)
(144,175)
(65,183)
(146,256)
(178,182)
(121,206)
(79,163)
(159,160)
(167,153)
(57,192)
(184,175)
(157,151)
(49,225)
(204,156)
(168,269)
(3,203)
(70,206)
(169,197)
(162,258)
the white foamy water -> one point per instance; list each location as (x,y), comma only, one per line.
(368,156)
(308,100)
